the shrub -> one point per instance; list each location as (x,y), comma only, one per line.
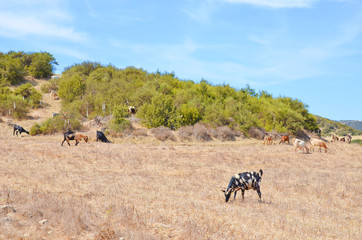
(42,65)
(71,88)
(29,94)
(139,132)
(358,141)
(35,130)
(225,134)
(160,112)
(163,133)
(201,132)
(256,132)
(187,115)
(50,85)
(15,105)
(185,133)
(54,125)
(11,71)
(119,122)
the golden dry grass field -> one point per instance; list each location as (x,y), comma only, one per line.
(141,188)
(146,189)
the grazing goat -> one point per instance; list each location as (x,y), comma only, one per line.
(74,136)
(342,139)
(101,137)
(300,144)
(334,137)
(284,139)
(318,143)
(268,139)
(349,137)
(132,110)
(243,181)
(19,129)
(55,114)
(54,95)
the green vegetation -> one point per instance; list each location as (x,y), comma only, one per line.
(18,102)
(14,66)
(358,141)
(353,124)
(328,126)
(53,125)
(91,89)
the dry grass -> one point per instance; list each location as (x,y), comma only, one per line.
(171,190)
(141,188)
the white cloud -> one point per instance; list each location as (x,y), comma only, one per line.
(12,25)
(276,3)
(37,18)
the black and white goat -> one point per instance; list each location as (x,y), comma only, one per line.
(244,181)
(18,130)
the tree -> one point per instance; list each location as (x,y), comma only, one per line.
(11,70)
(71,88)
(42,65)
(160,112)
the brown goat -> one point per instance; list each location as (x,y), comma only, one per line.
(74,136)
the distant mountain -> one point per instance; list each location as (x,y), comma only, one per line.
(328,126)
(353,124)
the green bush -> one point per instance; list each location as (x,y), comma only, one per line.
(50,85)
(119,121)
(11,71)
(55,125)
(35,130)
(42,65)
(187,115)
(358,141)
(71,88)
(160,112)
(13,105)
(29,94)
(14,66)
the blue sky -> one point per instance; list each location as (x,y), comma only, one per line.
(305,49)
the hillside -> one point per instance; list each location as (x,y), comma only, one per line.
(328,126)
(90,91)
(353,124)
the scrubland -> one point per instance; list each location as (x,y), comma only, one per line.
(147,189)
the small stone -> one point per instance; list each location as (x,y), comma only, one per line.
(43,222)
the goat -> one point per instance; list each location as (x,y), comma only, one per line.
(284,139)
(74,136)
(54,95)
(349,137)
(132,110)
(55,114)
(318,143)
(18,130)
(101,137)
(268,139)
(334,137)
(300,144)
(243,181)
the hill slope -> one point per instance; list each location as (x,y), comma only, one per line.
(328,126)
(356,124)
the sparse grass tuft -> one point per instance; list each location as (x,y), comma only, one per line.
(163,134)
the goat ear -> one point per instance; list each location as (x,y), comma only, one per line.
(222,190)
